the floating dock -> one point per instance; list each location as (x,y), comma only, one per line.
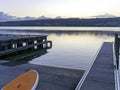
(15,43)
(51,78)
(101,75)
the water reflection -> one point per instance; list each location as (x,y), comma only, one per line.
(70,49)
(73,50)
(58,32)
(22,56)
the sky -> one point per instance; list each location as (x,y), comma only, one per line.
(64,8)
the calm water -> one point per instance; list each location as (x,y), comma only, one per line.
(65,28)
(72,50)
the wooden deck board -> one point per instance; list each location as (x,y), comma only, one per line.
(51,78)
(101,75)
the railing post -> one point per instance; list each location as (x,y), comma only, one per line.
(117,49)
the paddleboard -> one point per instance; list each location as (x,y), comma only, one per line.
(26,81)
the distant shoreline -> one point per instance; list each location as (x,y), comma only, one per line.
(70,22)
(62,29)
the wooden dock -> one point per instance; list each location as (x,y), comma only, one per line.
(51,78)
(14,43)
(101,74)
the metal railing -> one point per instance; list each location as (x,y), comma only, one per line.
(27,47)
(116,46)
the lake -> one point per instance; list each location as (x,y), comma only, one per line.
(64,28)
(70,49)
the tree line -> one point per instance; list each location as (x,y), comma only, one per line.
(96,22)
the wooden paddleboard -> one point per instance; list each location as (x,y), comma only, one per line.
(26,81)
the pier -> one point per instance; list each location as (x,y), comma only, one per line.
(51,78)
(101,75)
(15,43)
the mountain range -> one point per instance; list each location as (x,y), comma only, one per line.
(75,22)
(6,17)
(106,20)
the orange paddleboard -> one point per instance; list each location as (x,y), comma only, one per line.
(26,81)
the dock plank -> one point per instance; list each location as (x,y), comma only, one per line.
(51,78)
(101,75)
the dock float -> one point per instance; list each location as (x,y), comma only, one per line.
(101,75)
(10,43)
(51,78)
